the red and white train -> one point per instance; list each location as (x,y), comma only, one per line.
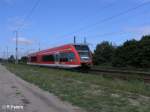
(66,56)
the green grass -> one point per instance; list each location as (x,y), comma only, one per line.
(129,68)
(90,92)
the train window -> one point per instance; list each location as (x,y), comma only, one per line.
(71,56)
(67,57)
(48,58)
(84,55)
(81,47)
(83,51)
(33,58)
(63,57)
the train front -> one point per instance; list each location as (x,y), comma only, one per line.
(85,55)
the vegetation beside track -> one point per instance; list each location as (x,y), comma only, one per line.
(132,53)
(123,73)
(106,67)
(91,92)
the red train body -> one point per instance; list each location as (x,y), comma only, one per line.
(66,56)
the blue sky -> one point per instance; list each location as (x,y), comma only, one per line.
(55,22)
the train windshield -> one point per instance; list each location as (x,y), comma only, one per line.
(82,47)
(83,51)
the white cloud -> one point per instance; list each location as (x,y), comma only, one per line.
(24,41)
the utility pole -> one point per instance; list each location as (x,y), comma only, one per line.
(4,55)
(7,52)
(39,46)
(16,47)
(85,40)
(74,39)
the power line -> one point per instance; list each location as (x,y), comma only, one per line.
(118,32)
(27,17)
(101,9)
(112,33)
(29,14)
(109,18)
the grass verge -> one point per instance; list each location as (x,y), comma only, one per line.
(90,92)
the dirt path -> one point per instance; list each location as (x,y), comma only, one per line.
(17,95)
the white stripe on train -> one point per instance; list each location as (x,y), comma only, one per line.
(56,65)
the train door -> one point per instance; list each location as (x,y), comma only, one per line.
(57,58)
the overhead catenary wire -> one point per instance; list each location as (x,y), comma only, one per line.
(29,14)
(111,33)
(108,18)
(118,32)
(100,10)
(24,20)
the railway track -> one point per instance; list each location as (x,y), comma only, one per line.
(122,74)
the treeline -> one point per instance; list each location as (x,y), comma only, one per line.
(12,59)
(131,53)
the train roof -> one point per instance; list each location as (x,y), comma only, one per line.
(57,47)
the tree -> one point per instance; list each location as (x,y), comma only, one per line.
(144,51)
(23,59)
(133,53)
(11,59)
(103,53)
(125,55)
(1,59)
